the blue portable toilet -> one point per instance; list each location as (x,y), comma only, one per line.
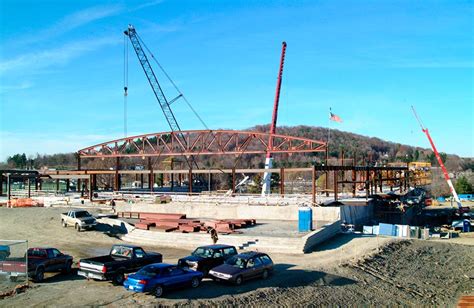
(305,219)
(466,225)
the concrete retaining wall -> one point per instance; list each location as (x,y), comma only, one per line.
(259,212)
(321,235)
(292,245)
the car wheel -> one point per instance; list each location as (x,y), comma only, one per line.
(158,291)
(238,280)
(67,268)
(119,278)
(39,274)
(3,256)
(195,282)
(64,224)
(265,274)
(77,227)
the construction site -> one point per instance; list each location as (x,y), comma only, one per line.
(345,230)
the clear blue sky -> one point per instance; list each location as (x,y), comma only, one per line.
(61,68)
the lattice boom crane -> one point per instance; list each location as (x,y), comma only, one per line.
(150,75)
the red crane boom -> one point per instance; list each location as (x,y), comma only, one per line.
(438,157)
(269,159)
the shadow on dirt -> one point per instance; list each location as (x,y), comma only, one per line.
(112,231)
(337,241)
(60,277)
(283,277)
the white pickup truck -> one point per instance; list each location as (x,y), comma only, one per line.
(80,219)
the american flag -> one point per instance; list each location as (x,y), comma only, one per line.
(334,117)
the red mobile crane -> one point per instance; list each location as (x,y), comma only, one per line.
(269,160)
(440,161)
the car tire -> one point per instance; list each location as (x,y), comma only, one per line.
(64,224)
(77,227)
(158,292)
(195,282)
(265,274)
(119,278)
(238,280)
(67,267)
(39,276)
(3,256)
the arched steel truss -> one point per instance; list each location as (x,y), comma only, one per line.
(202,142)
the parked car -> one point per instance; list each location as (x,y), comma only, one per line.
(205,258)
(40,261)
(159,277)
(80,219)
(4,252)
(242,267)
(122,259)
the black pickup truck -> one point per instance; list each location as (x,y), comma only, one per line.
(122,259)
(205,258)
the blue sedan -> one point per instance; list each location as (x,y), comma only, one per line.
(157,277)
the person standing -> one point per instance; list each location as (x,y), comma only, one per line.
(214,236)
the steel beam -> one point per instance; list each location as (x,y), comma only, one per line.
(202,142)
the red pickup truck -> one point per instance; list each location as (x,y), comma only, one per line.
(40,261)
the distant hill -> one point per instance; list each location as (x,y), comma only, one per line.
(365,149)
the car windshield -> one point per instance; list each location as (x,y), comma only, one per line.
(236,261)
(149,271)
(82,214)
(203,252)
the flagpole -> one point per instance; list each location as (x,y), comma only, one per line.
(329,128)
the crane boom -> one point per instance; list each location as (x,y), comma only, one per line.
(155,85)
(438,157)
(269,159)
(150,75)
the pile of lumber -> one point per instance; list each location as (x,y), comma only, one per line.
(24,202)
(179,223)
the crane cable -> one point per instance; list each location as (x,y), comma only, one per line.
(125,83)
(172,82)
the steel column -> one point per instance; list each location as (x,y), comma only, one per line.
(9,187)
(91,187)
(282,182)
(313,185)
(233,181)
(78,188)
(326,185)
(190,180)
(117,175)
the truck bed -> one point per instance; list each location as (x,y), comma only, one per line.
(102,260)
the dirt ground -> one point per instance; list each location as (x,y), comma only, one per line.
(349,270)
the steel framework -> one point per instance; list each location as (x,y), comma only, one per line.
(202,142)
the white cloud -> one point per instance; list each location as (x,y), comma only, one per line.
(14,87)
(55,56)
(70,22)
(145,5)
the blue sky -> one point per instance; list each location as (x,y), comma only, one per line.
(61,68)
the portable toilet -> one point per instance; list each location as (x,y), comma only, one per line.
(305,219)
(466,226)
